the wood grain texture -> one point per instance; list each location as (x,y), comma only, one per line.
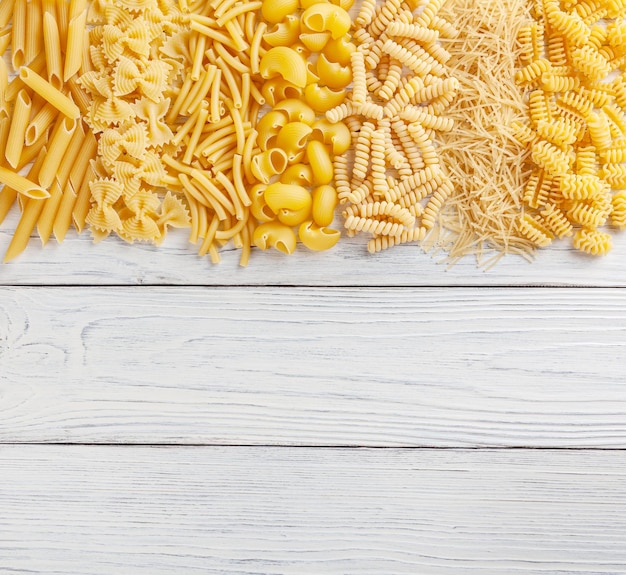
(241,511)
(78,261)
(400,367)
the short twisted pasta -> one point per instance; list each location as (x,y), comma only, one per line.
(380,243)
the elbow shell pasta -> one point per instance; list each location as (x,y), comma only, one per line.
(286,63)
(275,235)
(287,196)
(318,238)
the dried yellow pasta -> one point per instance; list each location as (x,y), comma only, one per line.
(579,114)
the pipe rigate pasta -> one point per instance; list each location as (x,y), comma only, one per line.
(292,139)
(286,63)
(327,18)
(300,174)
(317,237)
(325,201)
(275,235)
(284,33)
(274,11)
(288,196)
(323,98)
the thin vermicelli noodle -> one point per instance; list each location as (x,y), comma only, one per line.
(484,161)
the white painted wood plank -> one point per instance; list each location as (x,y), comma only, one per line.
(78,261)
(420,367)
(243,511)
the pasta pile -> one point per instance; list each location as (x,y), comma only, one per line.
(214,109)
(482,157)
(469,126)
(577,128)
(400,89)
(39,119)
(295,167)
(127,77)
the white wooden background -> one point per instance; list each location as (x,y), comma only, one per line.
(332,413)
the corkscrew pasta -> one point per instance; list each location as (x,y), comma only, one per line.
(400,88)
(576,126)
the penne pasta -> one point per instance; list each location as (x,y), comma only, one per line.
(19,122)
(59,100)
(52,48)
(22,185)
(57,151)
(75,45)
(40,123)
(18,40)
(33,30)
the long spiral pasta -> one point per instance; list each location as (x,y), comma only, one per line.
(377,161)
(380,243)
(362,152)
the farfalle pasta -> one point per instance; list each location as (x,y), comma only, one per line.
(129,87)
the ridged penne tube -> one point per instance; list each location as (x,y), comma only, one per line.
(4,82)
(52,47)
(6,12)
(322,98)
(268,164)
(292,139)
(321,164)
(335,134)
(286,63)
(296,110)
(33,30)
(25,227)
(327,18)
(17,133)
(316,237)
(325,201)
(275,235)
(22,185)
(333,74)
(83,203)
(299,174)
(56,151)
(63,217)
(287,196)
(18,41)
(59,100)
(284,33)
